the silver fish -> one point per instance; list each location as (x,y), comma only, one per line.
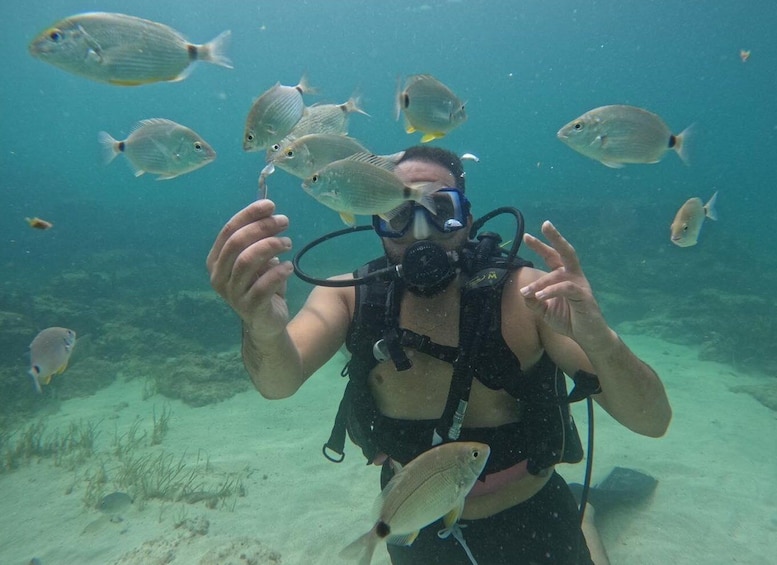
(159,146)
(49,354)
(431,486)
(319,118)
(619,134)
(124,50)
(364,184)
(429,107)
(273,115)
(305,155)
(689,219)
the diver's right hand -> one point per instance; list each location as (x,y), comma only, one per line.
(245,270)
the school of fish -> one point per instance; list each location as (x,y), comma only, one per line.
(311,142)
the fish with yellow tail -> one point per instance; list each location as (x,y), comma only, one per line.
(429,106)
(50,352)
(431,486)
(365,184)
(689,219)
(124,50)
(618,135)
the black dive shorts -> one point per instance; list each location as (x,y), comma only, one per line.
(543,530)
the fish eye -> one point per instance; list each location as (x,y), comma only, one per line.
(197,146)
(55,35)
(315,178)
(289,153)
(276,147)
(685,227)
(250,136)
(578,125)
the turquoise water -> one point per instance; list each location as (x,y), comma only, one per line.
(523,70)
(124,263)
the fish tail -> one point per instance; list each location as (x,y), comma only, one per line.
(110,146)
(304,86)
(215,50)
(709,207)
(681,143)
(361,549)
(353,106)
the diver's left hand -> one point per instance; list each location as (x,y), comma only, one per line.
(563,296)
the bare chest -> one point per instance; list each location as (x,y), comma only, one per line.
(420,392)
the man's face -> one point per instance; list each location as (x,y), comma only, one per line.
(422,171)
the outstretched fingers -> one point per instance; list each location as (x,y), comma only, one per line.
(562,247)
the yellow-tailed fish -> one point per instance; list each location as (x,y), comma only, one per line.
(689,219)
(431,486)
(365,184)
(159,146)
(618,134)
(274,114)
(429,107)
(49,353)
(124,50)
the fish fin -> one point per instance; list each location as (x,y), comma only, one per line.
(372,159)
(394,157)
(409,129)
(600,140)
(304,86)
(109,145)
(214,51)
(166,176)
(398,99)
(453,516)
(432,136)
(612,164)
(35,380)
(361,549)
(709,207)
(422,193)
(352,105)
(681,143)
(183,75)
(404,539)
(348,218)
(130,82)
(61,370)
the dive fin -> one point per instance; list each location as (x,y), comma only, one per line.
(622,487)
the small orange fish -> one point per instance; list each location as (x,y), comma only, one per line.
(39,224)
(744,54)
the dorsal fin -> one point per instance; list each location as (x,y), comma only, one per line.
(373,159)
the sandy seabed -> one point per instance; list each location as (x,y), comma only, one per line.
(716,500)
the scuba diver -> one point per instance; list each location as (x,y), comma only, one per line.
(451,338)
